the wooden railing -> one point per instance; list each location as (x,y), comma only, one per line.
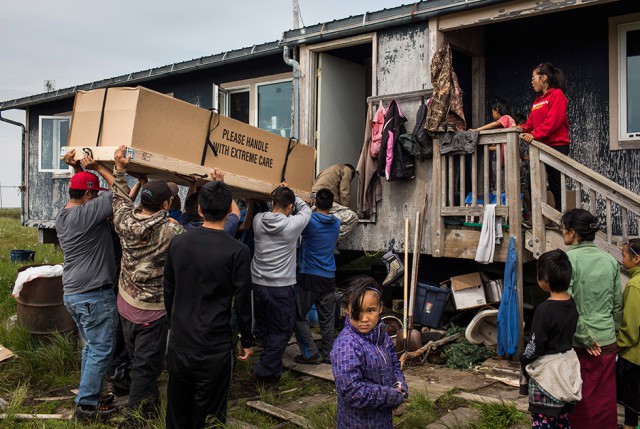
(450,188)
(616,207)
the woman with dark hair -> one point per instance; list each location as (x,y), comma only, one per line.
(596,289)
(548,122)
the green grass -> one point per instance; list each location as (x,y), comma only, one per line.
(498,416)
(419,411)
(322,415)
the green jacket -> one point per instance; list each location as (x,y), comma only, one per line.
(629,333)
(596,288)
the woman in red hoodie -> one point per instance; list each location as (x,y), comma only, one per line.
(548,121)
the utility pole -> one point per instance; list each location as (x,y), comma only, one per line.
(296,15)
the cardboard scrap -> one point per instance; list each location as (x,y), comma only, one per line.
(5,353)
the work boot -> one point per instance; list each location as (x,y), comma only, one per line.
(395,268)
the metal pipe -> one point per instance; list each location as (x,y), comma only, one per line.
(295,129)
(24,142)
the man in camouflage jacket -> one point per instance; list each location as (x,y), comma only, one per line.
(145,234)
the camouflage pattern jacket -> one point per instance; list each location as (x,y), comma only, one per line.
(145,241)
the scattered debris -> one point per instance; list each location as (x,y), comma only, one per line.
(431,345)
(280,413)
(54,398)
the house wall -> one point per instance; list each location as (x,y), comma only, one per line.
(514,48)
(403,65)
(46,195)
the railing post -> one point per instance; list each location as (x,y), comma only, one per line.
(437,192)
(538,183)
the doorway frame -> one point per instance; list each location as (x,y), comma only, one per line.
(308,86)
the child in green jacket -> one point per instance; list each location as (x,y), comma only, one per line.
(628,364)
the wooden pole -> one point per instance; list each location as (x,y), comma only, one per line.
(405,328)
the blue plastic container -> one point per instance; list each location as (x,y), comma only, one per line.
(22,255)
(431,300)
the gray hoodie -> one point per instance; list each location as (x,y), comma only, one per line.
(275,240)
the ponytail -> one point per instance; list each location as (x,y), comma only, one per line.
(554,75)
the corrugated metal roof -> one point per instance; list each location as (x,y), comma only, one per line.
(371,21)
(150,74)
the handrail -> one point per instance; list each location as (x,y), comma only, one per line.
(603,197)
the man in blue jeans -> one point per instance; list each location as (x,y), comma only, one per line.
(89,272)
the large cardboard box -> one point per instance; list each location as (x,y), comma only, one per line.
(468,291)
(149,121)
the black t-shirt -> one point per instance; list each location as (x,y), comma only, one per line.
(205,269)
(554,323)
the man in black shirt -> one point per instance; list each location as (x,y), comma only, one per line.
(205,269)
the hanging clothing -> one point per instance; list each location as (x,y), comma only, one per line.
(487,242)
(441,80)
(455,115)
(508,329)
(369,185)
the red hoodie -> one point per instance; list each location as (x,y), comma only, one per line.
(548,119)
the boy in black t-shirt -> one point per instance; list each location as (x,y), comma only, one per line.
(550,367)
(206,269)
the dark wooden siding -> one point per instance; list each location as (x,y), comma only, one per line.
(576,41)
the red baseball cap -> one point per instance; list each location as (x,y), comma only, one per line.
(85,181)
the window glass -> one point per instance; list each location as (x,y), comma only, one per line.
(633,81)
(274,107)
(239,106)
(54,133)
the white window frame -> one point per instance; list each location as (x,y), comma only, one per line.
(56,151)
(618,27)
(271,82)
(250,85)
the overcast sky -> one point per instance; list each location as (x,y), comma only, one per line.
(74,42)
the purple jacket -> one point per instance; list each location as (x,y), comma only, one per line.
(366,370)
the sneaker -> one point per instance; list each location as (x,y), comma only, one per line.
(269,379)
(315,359)
(91,413)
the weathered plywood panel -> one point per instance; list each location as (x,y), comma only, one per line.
(402,66)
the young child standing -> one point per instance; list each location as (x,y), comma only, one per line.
(367,372)
(549,365)
(628,364)
(501,115)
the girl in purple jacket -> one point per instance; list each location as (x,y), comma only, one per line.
(366,369)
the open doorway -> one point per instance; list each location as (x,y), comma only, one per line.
(343,83)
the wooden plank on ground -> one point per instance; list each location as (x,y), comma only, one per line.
(522,405)
(280,413)
(5,353)
(237,424)
(37,416)
(159,167)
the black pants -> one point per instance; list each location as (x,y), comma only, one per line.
(146,346)
(325,303)
(275,313)
(198,388)
(553,176)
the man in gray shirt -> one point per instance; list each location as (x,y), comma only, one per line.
(89,272)
(273,274)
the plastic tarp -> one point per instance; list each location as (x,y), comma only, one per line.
(34,273)
(508,329)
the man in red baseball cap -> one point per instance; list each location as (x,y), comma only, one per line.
(88,276)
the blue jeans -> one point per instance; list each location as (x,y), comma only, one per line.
(96,316)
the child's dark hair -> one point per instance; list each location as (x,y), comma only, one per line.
(554,75)
(554,267)
(582,222)
(634,246)
(324,199)
(283,196)
(501,106)
(519,118)
(354,294)
(215,200)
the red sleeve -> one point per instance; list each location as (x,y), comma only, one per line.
(555,116)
